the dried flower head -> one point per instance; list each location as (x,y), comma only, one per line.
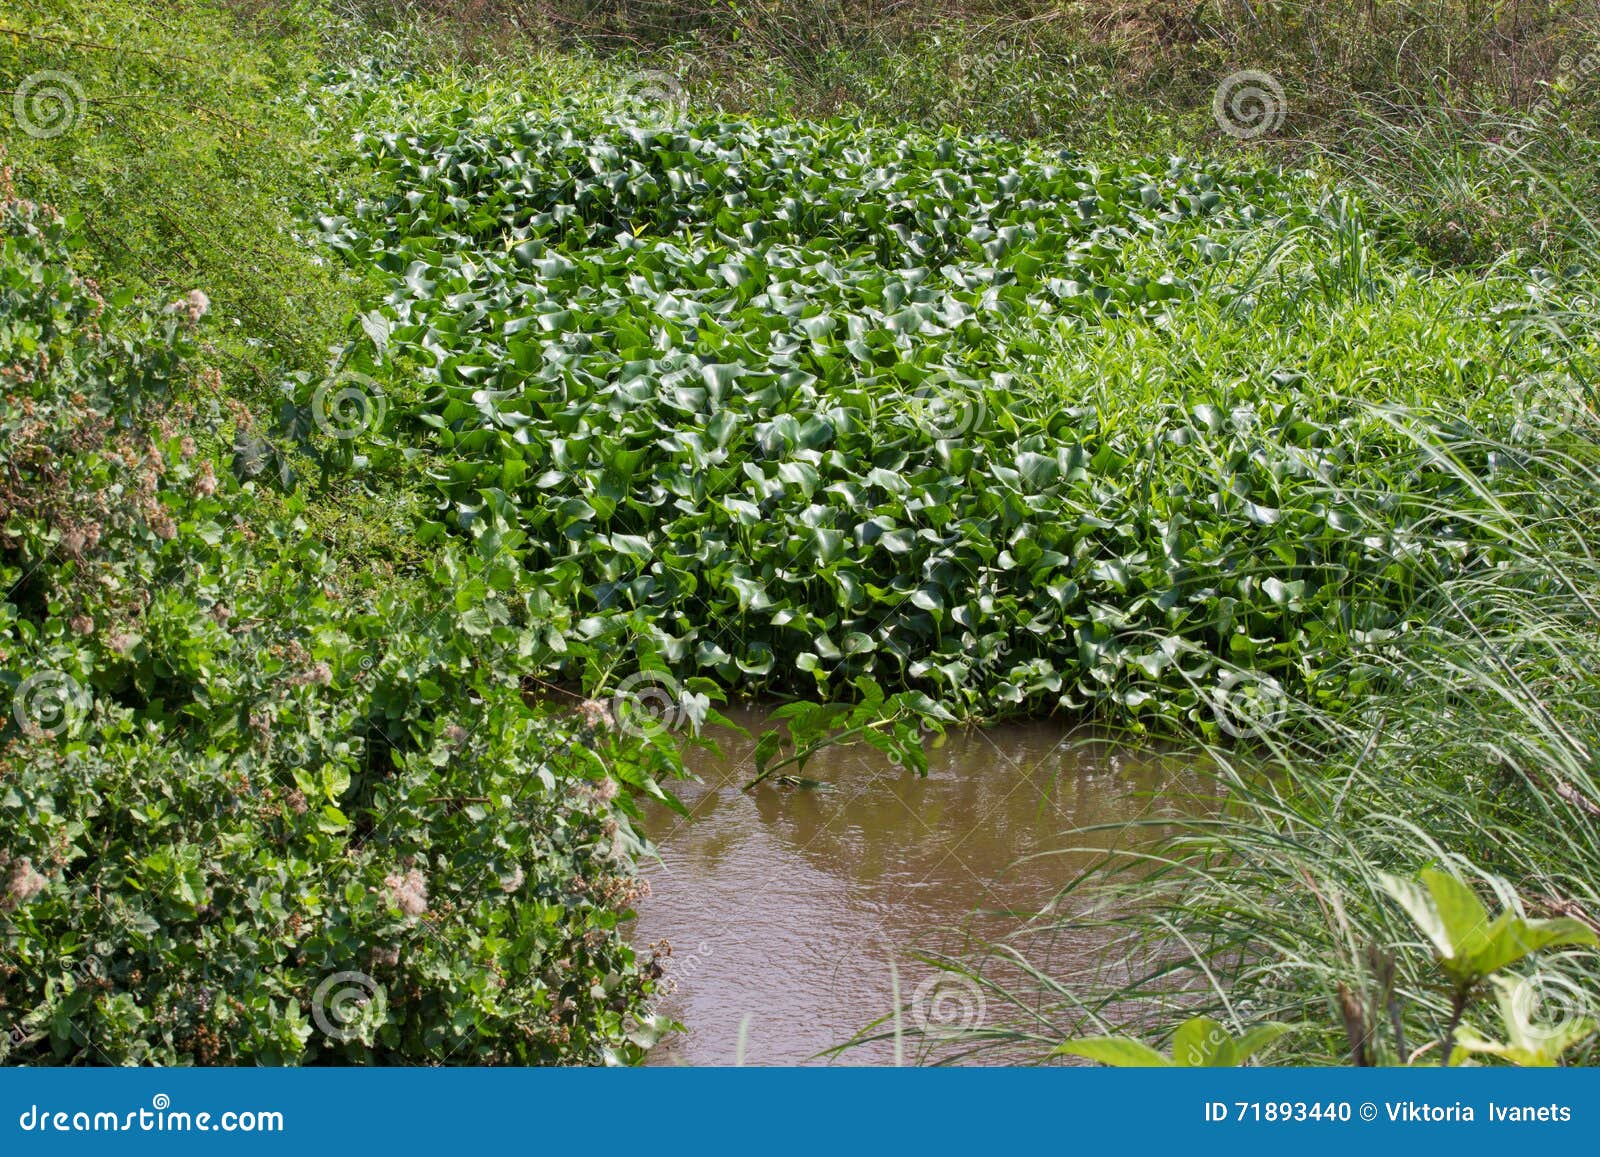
(596,714)
(191,306)
(408,892)
(205,481)
(23,885)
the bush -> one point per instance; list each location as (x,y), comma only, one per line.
(246,817)
(188,147)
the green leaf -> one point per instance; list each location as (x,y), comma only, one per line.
(1257,1037)
(1202,1042)
(1419,904)
(1119,1052)
(1461,914)
(1510,938)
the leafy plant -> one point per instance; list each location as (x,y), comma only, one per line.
(897,725)
(761,399)
(1199,1042)
(1471,948)
(257,809)
(1528,1042)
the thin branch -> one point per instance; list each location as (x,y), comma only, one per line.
(117,48)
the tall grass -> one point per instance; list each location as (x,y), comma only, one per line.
(1469,738)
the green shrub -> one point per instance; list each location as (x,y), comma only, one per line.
(251,812)
(185,141)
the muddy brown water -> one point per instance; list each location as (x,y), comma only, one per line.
(794,914)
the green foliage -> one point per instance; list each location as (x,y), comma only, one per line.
(1199,1042)
(759,397)
(1529,1042)
(948,426)
(187,143)
(256,809)
(1471,947)
(1460,419)
(896,725)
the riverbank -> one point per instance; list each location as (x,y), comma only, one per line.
(664,404)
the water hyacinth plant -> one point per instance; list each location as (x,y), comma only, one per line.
(764,402)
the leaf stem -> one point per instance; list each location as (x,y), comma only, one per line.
(1458,1008)
(801,754)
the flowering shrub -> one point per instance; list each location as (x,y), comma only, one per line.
(249,814)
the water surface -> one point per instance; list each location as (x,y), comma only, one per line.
(787,908)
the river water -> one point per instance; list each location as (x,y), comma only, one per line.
(793,913)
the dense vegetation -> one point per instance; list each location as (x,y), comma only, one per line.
(232,775)
(514,378)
